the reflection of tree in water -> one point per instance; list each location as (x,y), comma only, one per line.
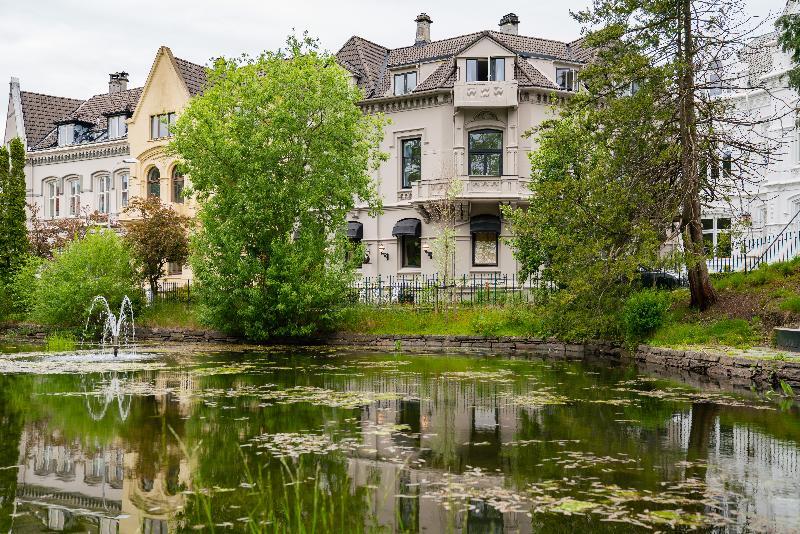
(11,423)
(102,390)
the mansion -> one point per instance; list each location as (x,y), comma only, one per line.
(459,109)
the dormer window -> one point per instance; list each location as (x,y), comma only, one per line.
(486,69)
(117,127)
(567,79)
(70,133)
(405,83)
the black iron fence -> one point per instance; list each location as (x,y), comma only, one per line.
(433,291)
(180,291)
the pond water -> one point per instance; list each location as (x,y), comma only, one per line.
(330,441)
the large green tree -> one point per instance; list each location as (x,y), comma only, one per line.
(278,152)
(644,145)
(13,230)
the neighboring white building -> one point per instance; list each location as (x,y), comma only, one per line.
(764,216)
(459,109)
(75,149)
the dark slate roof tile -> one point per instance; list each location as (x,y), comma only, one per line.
(194,75)
(40,112)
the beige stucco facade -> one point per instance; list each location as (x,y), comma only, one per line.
(165,92)
(443,119)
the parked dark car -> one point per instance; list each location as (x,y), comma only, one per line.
(658,279)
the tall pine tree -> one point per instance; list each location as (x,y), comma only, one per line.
(13,230)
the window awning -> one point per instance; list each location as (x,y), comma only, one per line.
(484,223)
(411,227)
(355,230)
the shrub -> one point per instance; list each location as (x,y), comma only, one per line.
(23,285)
(644,312)
(60,342)
(98,264)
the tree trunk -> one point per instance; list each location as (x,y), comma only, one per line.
(702,292)
(153,287)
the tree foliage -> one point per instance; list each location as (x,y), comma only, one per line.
(635,156)
(157,235)
(788,27)
(13,230)
(97,264)
(278,153)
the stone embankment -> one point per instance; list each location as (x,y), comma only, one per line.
(740,369)
(743,369)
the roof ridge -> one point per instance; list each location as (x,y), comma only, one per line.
(51,96)
(189,62)
(532,37)
(117,93)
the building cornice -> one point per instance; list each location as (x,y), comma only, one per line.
(79,152)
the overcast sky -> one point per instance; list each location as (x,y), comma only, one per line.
(68,47)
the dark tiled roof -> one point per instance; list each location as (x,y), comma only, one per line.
(370,62)
(194,75)
(529,76)
(365,59)
(94,112)
(40,112)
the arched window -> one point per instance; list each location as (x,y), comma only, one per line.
(53,200)
(154,182)
(74,198)
(104,194)
(177,186)
(486,153)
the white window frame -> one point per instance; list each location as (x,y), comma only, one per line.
(53,202)
(117,127)
(490,69)
(125,180)
(160,125)
(571,84)
(405,88)
(104,194)
(74,197)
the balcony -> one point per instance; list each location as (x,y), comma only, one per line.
(485,94)
(474,188)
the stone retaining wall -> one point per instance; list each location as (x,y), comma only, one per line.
(738,370)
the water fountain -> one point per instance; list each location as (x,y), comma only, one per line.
(115,331)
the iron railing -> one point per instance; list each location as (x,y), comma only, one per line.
(421,290)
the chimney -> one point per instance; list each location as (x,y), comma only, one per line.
(423,29)
(117,82)
(510,24)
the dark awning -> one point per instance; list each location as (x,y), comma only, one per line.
(355,230)
(484,223)
(407,227)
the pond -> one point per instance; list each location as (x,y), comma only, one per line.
(331,441)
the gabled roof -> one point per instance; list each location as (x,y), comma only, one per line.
(39,113)
(193,75)
(94,113)
(371,63)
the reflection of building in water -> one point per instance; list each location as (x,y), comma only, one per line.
(119,486)
(459,422)
(397,502)
(740,459)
